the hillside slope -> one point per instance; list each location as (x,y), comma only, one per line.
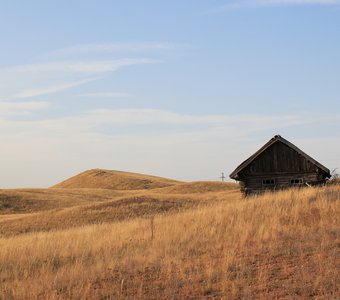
(24,211)
(200,187)
(114,180)
(282,245)
(25,201)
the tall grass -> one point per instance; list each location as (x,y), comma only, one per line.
(283,245)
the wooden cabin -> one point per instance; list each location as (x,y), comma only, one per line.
(277,165)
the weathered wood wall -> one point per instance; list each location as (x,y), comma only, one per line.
(280,182)
(279,158)
(281,164)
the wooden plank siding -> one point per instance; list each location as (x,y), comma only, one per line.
(280,181)
(279,165)
(279,159)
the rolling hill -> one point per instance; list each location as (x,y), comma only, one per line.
(114,180)
(103,196)
(134,236)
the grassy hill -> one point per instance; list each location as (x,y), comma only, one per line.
(115,180)
(199,187)
(62,207)
(33,210)
(183,240)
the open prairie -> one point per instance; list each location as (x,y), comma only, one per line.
(132,236)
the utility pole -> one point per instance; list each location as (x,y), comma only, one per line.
(222,177)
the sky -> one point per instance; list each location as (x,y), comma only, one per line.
(179,89)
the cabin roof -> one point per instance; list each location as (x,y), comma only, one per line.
(276,138)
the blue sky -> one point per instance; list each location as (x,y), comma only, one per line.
(181,89)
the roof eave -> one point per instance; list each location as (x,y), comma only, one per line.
(243,165)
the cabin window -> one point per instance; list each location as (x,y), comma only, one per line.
(268,181)
(296,181)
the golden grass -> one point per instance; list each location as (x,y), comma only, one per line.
(36,210)
(199,187)
(110,211)
(284,245)
(116,180)
(19,201)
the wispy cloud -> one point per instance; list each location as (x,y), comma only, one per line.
(104,95)
(296,2)
(112,47)
(52,89)
(100,66)
(157,116)
(239,4)
(156,119)
(55,74)
(21,108)
(46,76)
(108,138)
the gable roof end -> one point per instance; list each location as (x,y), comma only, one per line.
(276,138)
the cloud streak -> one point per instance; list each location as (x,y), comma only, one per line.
(100,66)
(183,146)
(104,95)
(21,108)
(45,75)
(53,74)
(158,117)
(112,48)
(296,2)
(52,89)
(157,120)
(268,3)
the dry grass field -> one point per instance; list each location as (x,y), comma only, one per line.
(198,240)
